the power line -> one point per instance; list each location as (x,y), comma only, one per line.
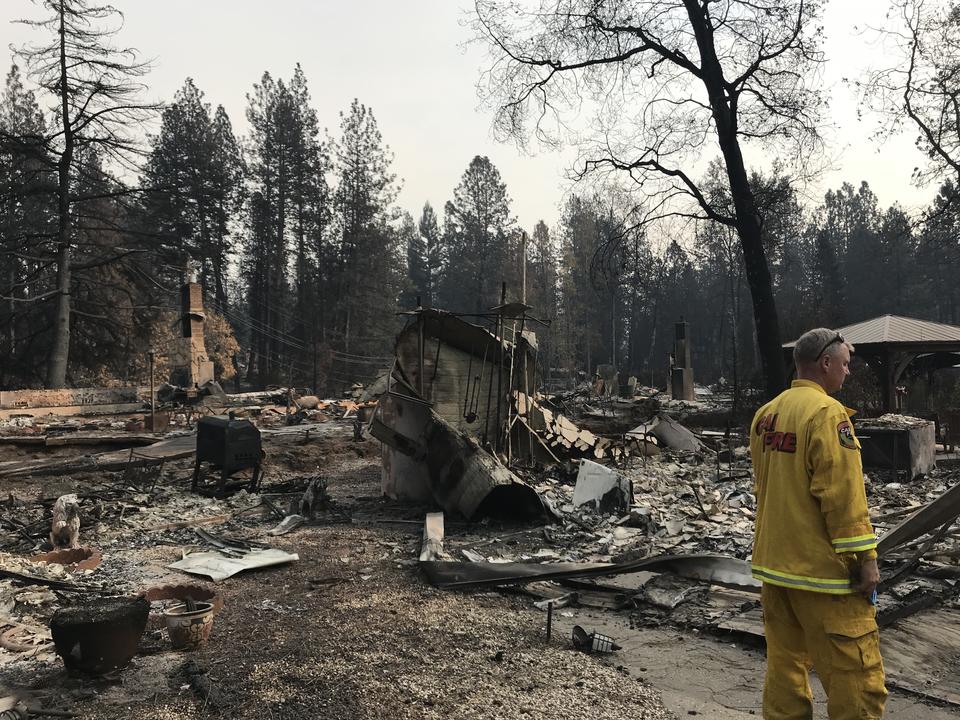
(362,357)
(254,323)
(350,361)
(265,333)
(263,330)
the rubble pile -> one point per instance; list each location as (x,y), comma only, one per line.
(616,415)
(566,440)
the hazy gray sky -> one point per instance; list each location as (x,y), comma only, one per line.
(405,59)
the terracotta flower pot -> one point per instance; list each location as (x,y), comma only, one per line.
(189,629)
(84,558)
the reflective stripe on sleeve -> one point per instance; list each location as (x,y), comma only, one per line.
(830,586)
(855,544)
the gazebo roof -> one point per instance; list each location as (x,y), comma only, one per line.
(898,341)
(893,330)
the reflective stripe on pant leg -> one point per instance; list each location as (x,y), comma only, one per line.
(844,641)
(786,689)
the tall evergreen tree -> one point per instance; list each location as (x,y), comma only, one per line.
(310,207)
(227,180)
(194,181)
(433,249)
(26,228)
(477,226)
(542,286)
(581,312)
(370,257)
(938,258)
(288,164)
(418,268)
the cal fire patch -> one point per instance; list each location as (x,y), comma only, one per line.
(845,434)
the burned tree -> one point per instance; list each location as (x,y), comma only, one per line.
(664,79)
(922,87)
(97,111)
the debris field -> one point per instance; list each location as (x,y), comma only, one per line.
(345,620)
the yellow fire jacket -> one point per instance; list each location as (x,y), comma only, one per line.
(812,524)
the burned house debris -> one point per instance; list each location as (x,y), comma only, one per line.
(457,388)
(28,404)
(616,515)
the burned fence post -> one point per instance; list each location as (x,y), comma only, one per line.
(153,395)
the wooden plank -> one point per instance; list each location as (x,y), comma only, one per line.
(538,442)
(178,524)
(171,449)
(564,424)
(432,546)
(93,438)
(71,410)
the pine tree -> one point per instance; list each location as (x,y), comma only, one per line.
(580,319)
(370,258)
(477,226)
(226,180)
(194,180)
(310,209)
(26,223)
(433,248)
(543,290)
(418,269)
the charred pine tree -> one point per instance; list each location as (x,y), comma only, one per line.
(98,110)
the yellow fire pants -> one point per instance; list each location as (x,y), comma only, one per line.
(838,635)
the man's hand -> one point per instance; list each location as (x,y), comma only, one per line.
(869,577)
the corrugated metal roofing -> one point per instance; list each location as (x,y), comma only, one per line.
(897,329)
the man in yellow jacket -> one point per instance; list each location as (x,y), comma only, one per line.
(814,547)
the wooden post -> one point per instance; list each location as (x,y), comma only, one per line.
(421,349)
(523,267)
(153,406)
(500,349)
(888,382)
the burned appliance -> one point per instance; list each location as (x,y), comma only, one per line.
(230,445)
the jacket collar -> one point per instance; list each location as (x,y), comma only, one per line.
(808,384)
(817,386)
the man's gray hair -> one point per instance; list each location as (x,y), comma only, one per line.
(816,343)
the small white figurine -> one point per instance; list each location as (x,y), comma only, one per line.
(65,529)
